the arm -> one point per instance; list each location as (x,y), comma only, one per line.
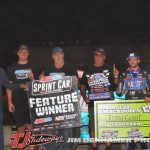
(116,75)
(11,107)
(147,98)
(41,75)
(116,80)
(31,75)
(83,86)
(148,83)
(6,83)
(83,93)
(120,85)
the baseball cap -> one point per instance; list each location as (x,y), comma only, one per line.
(133,55)
(57,50)
(23,47)
(99,51)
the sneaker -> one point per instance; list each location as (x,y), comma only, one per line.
(108,148)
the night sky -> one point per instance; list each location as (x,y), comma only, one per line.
(36,21)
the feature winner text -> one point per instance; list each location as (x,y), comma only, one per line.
(54,105)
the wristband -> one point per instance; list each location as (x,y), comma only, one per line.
(115,76)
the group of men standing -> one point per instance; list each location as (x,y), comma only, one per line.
(103,78)
(99,77)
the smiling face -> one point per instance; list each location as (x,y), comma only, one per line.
(23,55)
(99,58)
(133,62)
(58,57)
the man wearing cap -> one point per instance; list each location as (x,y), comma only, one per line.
(60,67)
(5,82)
(134,83)
(100,79)
(20,72)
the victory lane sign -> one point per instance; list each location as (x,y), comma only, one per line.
(53,103)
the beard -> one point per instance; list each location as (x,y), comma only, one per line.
(134,65)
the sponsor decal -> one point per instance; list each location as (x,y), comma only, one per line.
(109,134)
(51,86)
(59,118)
(98,96)
(23,140)
(43,120)
(99,82)
(129,85)
(80,73)
(22,74)
(135,133)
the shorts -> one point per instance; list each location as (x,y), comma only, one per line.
(21,113)
(22,118)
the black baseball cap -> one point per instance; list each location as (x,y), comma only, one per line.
(57,50)
(99,51)
(133,55)
(23,47)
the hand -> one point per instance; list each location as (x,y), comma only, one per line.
(42,76)
(115,71)
(23,86)
(87,101)
(11,107)
(147,100)
(31,75)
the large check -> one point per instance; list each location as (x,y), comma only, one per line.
(122,119)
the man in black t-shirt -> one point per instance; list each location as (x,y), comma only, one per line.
(20,72)
(60,67)
(5,82)
(100,79)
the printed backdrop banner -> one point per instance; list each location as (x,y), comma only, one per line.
(122,119)
(53,103)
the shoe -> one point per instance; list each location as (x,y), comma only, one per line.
(108,148)
(94,148)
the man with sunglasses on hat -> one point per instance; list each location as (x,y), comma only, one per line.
(135,84)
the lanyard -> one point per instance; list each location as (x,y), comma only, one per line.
(135,80)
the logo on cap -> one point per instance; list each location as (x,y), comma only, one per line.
(131,55)
(23,47)
(57,50)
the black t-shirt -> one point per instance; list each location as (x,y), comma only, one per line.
(66,70)
(135,84)
(99,81)
(147,68)
(18,73)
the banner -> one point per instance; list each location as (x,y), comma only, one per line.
(122,119)
(53,103)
